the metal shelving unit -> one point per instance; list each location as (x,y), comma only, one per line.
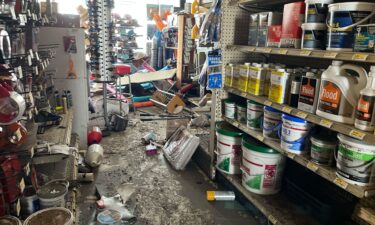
(234,50)
(321,54)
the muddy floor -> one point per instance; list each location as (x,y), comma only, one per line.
(157,194)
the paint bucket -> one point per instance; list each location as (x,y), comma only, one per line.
(241,113)
(52,194)
(355,161)
(262,167)
(51,216)
(314,36)
(10,220)
(29,201)
(228,148)
(294,134)
(342,22)
(316,10)
(322,148)
(94,155)
(254,115)
(271,122)
(230,109)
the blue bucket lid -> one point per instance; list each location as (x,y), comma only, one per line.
(292,118)
(268,108)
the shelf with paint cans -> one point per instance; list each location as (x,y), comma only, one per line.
(365,137)
(321,54)
(329,173)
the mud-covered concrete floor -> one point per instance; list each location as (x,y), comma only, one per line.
(162,195)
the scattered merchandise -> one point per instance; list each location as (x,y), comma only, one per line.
(94,155)
(52,216)
(220,196)
(254,115)
(94,136)
(229,148)
(271,123)
(52,194)
(262,167)
(151,149)
(109,216)
(10,220)
(343,21)
(294,134)
(355,161)
(180,148)
(293,18)
(150,136)
(364,114)
(29,202)
(323,146)
(340,91)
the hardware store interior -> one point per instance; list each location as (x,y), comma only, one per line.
(187,112)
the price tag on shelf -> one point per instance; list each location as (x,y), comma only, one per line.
(243,94)
(272,219)
(330,55)
(268,103)
(312,166)
(282,51)
(260,137)
(357,134)
(340,182)
(305,53)
(267,50)
(325,123)
(291,155)
(251,49)
(37,56)
(302,115)
(235,123)
(23,19)
(360,56)
(287,109)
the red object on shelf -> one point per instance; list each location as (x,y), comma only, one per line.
(121,69)
(10,171)
(293,18)
(274,35)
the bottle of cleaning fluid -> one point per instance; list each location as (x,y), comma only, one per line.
(309,92)
(365,113)
(339,91)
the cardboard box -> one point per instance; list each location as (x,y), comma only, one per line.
(274,36)
(265,20)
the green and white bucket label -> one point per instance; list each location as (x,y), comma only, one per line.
(355,164)
(230,163)
(254,116)
(321,155)
(260,177)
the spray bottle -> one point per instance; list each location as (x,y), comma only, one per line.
(364,114)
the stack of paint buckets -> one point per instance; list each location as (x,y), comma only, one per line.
(95,152)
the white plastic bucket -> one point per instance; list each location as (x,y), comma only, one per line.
(294,134)
(322,149)
(316,10)
(230,109)
(51,216)
(342,22)
(355,161)
(228,148)
(314,35)
(254,115)
(241,113)
(52,194)
(262,167)
(10,220)
(271,123)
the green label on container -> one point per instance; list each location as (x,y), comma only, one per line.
(224,165)
(255,123)
(345,150)
(255,182)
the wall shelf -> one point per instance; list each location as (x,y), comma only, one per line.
(329,173)
(277,208)
(321,54)
(346,129)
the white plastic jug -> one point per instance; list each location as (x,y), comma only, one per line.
(339,91)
